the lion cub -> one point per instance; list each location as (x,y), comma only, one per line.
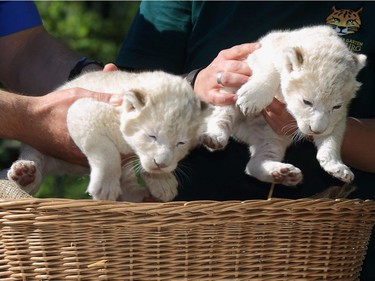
(158,121)
(313,72)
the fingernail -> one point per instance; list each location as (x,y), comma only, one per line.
(115,100)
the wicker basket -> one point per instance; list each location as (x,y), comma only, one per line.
(278,239)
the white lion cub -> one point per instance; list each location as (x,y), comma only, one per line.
(314,73)
(158,121)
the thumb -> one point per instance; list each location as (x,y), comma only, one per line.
(113,99)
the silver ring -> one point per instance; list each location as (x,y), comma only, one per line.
(218,78)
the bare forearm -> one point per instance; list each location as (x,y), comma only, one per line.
(357,148)
(37,62)
(13,109)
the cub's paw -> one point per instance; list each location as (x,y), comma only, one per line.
(339,171)
(25,175)
(287,175)
(214,141)
(108,191)
(249,101)
(162,187)
(247,106)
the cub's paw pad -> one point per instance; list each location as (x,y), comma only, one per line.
(22,172)
(214,142)
(342,173)
(289,176)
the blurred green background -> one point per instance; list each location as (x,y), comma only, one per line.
(95,29)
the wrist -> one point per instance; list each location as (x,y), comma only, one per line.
(18,115)
(192,76)
(84,65)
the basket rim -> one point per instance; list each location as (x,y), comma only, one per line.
(258,210)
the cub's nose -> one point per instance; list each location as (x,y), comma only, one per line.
(316,132)
(160,165)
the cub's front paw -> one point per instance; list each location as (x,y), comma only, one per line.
(247,106)
(334,166)
(106,191)
(339,171)
(214,140)
(25,174)
(162,187)
(249,101)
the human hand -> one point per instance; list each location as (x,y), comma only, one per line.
(48,132)
(279,118)
(47,129)
(235,72)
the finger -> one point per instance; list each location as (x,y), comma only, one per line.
(235,80)
(276,107)
(110,67)
(218,98)
(236,66)
(239,51)
(115,100)
(112,99)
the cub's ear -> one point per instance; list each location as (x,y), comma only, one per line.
(293,59)
(360,61)
(134,100)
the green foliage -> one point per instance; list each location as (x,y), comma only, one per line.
(96,29)
(64,187)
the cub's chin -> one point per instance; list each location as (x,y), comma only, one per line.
(154,169)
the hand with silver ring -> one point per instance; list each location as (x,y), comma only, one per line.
(230,70)
(218,78)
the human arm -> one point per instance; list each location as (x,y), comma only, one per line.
(41,121)
(356,150)
(34,62)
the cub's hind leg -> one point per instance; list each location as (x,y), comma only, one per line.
(265,164)
(32,166)
(26,174)
(267,150)
(28,171)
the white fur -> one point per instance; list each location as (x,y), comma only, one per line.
(158,121)
(313,72)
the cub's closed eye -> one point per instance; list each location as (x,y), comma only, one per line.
(153,137)
(337,106)
(180,143)
(309,103)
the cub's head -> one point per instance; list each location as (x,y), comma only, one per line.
(318,87)
(160,120)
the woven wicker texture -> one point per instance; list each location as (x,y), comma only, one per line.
(278,239)
(11,191)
